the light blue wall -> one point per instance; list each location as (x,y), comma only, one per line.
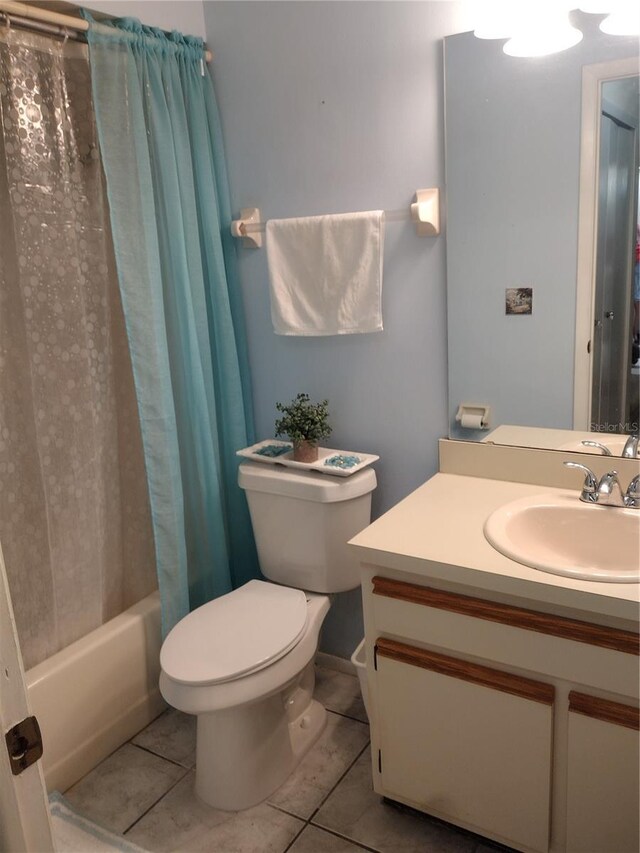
(184,15)
(330,107)
(513,170)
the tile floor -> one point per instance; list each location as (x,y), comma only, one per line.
(144,791)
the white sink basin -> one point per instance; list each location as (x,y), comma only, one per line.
(562,535)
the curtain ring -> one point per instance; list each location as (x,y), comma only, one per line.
(66,37)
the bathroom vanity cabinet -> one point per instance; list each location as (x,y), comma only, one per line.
(504,700)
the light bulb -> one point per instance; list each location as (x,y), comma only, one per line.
(498,20)
(543,43)
(597,7)
(542,34)
(625,22)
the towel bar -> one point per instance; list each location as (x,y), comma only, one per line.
(424,212)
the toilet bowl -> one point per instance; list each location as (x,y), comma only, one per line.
(244,663)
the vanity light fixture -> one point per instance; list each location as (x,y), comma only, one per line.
(623,16)
(625,22)
(543,27)
(543,35)
(597,7)
(499,20)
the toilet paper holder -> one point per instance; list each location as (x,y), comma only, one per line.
(473,415)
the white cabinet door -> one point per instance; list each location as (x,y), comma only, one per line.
(603,768)
(24,813)
(464,742)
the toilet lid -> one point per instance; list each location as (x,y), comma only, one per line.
(236,634)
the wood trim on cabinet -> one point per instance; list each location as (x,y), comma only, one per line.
(605,710)
(517,685)
(508,614)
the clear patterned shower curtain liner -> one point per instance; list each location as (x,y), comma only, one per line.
(74,512)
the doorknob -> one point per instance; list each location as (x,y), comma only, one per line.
(609,315)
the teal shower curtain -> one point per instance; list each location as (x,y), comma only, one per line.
(162,155)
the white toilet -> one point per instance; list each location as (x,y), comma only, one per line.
(243,663)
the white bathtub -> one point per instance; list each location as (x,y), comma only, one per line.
(98,692)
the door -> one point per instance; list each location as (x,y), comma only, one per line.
(603,788)
(612,300)
(465,742)
(24,812)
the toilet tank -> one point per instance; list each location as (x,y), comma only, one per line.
(302,521)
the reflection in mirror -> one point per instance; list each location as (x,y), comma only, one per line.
(517,221)
(614,393)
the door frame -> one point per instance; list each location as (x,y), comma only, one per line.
(25,824)
(593,76)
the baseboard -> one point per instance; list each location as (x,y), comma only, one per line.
(336,663)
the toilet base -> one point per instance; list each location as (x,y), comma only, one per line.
(244,754)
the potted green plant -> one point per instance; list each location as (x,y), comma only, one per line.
(305,423)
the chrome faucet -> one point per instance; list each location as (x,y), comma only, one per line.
(603,447)
(632,498)
(630,449)
(589,492)
(608,491)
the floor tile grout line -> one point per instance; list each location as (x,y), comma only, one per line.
(155,803)
(296,837)
(307,823)
(284,811)
(342,714)
(359,844)
(328,794)
(349,717)
(355,843)
(159,755)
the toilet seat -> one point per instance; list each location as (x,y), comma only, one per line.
(236,634)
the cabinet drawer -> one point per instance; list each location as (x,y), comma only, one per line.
(465,742)
(567,649)
(603,786)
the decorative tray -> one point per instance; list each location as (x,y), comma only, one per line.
(339,463)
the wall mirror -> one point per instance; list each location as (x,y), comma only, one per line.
(542,208)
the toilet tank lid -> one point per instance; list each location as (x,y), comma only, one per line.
(305,485)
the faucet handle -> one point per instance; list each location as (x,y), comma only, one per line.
(603,447)
(590,486)
(630,449)
(632,496)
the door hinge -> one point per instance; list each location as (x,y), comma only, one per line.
(379,761)
(24,745)
(589,347)
(375,657)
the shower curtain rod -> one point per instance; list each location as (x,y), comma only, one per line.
(40,27)
(53,23)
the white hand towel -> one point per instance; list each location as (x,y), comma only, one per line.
(326,273)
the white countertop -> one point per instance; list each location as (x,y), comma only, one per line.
(436,533)
(554,439)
